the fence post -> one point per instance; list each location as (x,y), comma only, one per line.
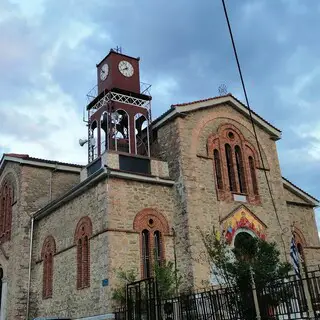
(307,293)
(255,296)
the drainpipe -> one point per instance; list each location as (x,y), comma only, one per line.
(30,261)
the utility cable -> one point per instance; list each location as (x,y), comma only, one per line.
(253,125)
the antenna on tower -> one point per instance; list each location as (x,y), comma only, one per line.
(222,90)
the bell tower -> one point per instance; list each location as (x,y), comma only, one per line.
(119,108)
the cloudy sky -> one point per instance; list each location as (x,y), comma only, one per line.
(49,49)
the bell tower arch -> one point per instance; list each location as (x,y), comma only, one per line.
(119,108)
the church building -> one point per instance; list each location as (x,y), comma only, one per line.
(149,185)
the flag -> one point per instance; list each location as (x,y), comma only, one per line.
(294,254)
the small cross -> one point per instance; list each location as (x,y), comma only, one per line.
(118,49)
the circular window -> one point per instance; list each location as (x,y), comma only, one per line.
(230,135)
(151,222)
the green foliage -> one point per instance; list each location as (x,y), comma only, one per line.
(250,257)
(168,279)
(233,266)
(166,275)
(124,277)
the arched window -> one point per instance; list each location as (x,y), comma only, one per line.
(48,251)
(146,253)
(235,160)
(103,132)
(6,202)
(141,135)
(94,141)
(152,226)
(82,238)
(240,170)
(253,176)
(217,165)
(232,181)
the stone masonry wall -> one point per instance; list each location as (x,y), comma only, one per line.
(9,255)
(304,219)
(202,208)
(66,300)
(169,143)
(126,199)
(112,206)
(31,188)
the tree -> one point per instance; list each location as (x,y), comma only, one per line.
(119,293)
(168,279)
(251,257)
(166,275)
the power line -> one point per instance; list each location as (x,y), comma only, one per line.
(253,125)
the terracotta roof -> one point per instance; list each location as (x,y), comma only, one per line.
(16,155)
(27,157)
(201,100)
(218,97)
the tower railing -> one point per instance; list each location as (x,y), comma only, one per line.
(145,88)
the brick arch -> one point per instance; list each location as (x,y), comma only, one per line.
(84,228)
(203,123)
(235,161)
(49,245)
(11,178)
(217,115)
(251,149)
(299,237)
(82,240)
(47,253)
(214,137)
(142,221)
(229,126)
(8,195)
(149,222)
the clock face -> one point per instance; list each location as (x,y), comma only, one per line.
(104,71)
(126,68)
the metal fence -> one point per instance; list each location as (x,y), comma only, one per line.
(289,298)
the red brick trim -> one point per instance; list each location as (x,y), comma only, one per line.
(82,240)
(153,221)
(84,228)
(229,135)
(6,203)
(299,237)
(96,235)
(47,253)
(141,221)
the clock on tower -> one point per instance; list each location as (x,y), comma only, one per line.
(118,71)
(119,113)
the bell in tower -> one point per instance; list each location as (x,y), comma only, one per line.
(119,108)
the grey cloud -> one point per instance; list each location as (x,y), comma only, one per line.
(24,127)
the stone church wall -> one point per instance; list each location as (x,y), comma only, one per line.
(31,192)
(66,299)
(305,222)
(114,244)
(14,268)
(126,200)
(195,169)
